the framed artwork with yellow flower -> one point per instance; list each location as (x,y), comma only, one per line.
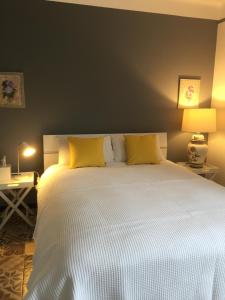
(12,90)
(189,91)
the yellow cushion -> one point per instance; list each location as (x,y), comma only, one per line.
(86,152)
(142,149)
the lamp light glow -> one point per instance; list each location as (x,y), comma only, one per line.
(29,151)
(26,151)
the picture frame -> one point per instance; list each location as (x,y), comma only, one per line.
(12,90)
(189,92)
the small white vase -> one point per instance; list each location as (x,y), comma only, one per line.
(197,153)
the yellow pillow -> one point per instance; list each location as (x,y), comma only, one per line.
(142,149)
(86,152)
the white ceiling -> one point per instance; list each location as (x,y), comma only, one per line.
(206,9)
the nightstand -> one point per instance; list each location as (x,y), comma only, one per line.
(208,171)
(14,192)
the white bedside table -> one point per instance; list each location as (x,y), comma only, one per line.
(13,192)
(208,171)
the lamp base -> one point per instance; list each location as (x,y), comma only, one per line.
(197,153)
(17,175)
(197,166)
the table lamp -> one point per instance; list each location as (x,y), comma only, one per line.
(198,121)
(26,150)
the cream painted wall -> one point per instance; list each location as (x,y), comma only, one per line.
(216,153)
(218,93)
(222,14)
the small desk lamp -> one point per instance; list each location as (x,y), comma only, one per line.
(198,121)
(26,150)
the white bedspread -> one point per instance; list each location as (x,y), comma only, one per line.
(150,232)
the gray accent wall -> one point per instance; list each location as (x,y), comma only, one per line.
(95,70)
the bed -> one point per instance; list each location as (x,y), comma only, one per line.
(154,232)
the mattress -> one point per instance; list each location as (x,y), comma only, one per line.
(128,233)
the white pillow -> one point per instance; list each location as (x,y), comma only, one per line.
(118,143)
(64,155)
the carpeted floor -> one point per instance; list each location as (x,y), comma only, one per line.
(16,252)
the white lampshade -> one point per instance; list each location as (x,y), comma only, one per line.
(199,120)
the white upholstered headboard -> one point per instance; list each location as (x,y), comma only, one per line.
(51,145)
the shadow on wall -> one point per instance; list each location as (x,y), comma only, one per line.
(138,106)
(92,70)
(177,145)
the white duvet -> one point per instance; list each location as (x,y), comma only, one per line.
(150,232)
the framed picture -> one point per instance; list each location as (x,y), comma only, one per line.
(189,91)
(12,90)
